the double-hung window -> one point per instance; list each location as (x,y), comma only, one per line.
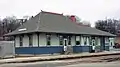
(30,40)
(21,40)
(48,38)
(85,40)
(61,40)
(77,40)
(69,40)
(107,41)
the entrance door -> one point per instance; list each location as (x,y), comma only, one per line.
(96,44)
(65,45)
(93,44)
(111,43)
(65,42)
(67,48)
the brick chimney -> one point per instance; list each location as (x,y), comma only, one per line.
(73,19)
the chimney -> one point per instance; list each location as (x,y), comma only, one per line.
(73,19)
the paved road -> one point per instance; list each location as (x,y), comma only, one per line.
(108,64)
(82,62)
(35,64)
(54,64)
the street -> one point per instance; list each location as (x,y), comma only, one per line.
(56,64)
(108,64)
(102,61)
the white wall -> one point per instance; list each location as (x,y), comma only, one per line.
(42,39)
(82,41)
(25,41)
(54,40)
(17,41)
(35,40)
(88,42)
(73,41)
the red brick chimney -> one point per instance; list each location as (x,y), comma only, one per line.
(73,19)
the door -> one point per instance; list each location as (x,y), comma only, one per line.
(93,44)
(111,43)
(65,42)
(67,47)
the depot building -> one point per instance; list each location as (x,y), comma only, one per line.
(48,32)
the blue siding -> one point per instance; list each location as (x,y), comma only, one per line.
(39,50)
(77,49)
(50,49)
(86,48)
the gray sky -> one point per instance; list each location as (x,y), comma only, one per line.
(90,10)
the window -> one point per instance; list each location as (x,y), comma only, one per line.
(48,37)
(106,40)
(21,40)
(85,40)
(111,44)
(30,40)
(61,40)
(90,41)
(98,41)
(38,38)
(69,40)
(77,39)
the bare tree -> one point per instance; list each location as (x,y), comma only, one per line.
(108,25)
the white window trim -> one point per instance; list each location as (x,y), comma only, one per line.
(78,38)
(47,39)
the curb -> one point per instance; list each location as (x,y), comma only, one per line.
(62,57)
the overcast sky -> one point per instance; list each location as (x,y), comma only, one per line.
(90,10)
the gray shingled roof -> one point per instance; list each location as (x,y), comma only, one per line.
(56,23)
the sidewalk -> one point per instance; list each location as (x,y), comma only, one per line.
(56,57)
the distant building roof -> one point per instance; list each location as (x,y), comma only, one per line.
(55,23)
